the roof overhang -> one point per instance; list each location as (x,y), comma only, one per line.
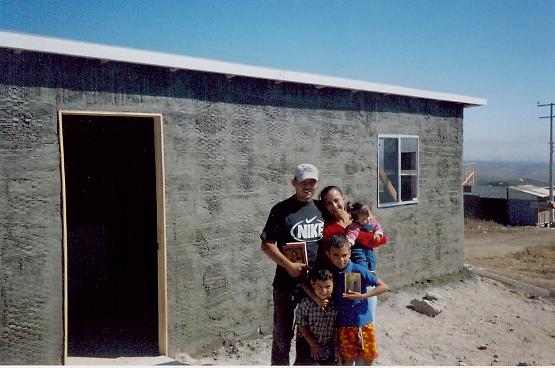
(26,42)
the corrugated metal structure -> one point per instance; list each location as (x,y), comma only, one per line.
(526,205)
(486,202)
(522,205)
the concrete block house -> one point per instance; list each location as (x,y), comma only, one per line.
(135,185)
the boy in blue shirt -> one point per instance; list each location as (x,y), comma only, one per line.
(357,338)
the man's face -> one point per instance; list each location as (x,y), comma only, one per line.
(305,189)
(340,256)
(322,288)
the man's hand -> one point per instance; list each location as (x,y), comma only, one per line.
(271,250)
(322,303)
(295,269)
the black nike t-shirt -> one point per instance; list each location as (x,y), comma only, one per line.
(292,221)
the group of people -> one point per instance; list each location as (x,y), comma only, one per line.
(334,325)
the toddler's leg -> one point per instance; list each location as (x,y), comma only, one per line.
(358,256)
(371,259)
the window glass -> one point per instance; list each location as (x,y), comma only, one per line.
(398,170)
(408,188)
(388,173)
(409,147)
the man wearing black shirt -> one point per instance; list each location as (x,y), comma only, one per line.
(296,219)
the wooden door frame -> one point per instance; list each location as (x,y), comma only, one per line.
(160,215)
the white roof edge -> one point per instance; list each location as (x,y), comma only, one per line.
(22,41)
(531,189)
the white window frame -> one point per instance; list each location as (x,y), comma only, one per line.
(399,202)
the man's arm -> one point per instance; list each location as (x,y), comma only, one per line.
(272,251)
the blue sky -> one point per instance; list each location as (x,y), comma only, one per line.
(502,51)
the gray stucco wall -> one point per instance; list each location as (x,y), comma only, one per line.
(230,146)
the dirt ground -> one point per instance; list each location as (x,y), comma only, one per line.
(524,253)
(484,322)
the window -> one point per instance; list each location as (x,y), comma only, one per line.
(397,170)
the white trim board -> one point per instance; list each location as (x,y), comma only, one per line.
(28,42)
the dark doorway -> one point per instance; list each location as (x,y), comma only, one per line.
(110,179)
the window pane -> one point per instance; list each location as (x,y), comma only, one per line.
(389,166)
(408,188)
(409,148)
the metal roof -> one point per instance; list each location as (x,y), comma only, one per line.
(28,42)
(532,189)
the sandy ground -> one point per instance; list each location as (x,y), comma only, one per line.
(159,360)
(484,321)
(524,253)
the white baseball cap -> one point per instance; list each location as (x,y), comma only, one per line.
(306,171)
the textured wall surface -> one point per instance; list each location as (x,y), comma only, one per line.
(230,147)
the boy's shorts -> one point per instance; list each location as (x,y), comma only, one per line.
(355,342)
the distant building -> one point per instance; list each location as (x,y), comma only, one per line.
(486,202)
(527,205)
(135,185)
(522,205)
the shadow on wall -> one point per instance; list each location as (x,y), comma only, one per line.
(32,69)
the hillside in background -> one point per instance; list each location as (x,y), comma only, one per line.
(511,173)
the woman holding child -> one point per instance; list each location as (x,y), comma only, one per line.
(356,222)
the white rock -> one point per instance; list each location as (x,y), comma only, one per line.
(429,308)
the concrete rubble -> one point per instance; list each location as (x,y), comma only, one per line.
(430,305)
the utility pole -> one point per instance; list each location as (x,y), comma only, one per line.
(551,219)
